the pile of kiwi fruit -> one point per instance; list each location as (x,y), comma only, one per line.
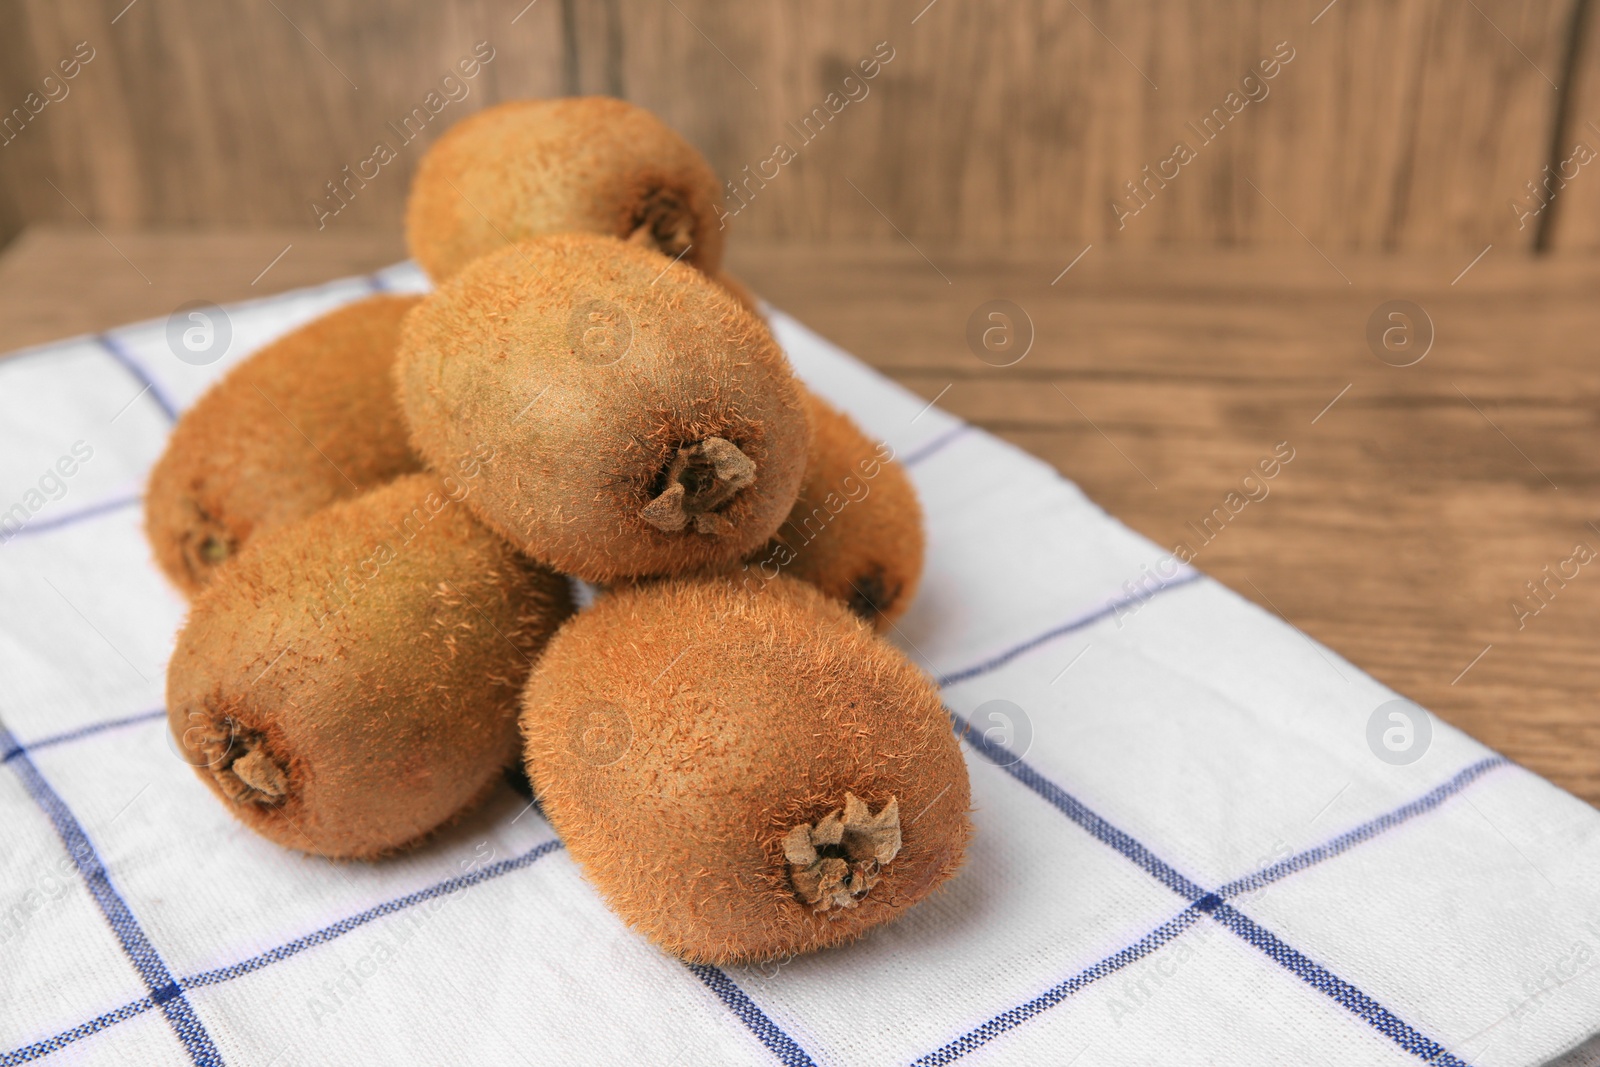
(385,522)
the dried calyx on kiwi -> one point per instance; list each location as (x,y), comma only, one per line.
(242,767)
(204,544)
(664,222)
(834,863)
(699,479)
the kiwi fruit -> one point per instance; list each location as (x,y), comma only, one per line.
(308,420)
(647,423)
(744,774)
(590,164)
(856,529)
(349,683)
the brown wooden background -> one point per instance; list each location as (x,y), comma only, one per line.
(1399,124)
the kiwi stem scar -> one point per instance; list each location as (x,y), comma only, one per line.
(664,223)
(836,862)
(699,479)
(243,769)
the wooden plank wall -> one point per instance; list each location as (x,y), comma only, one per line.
(1575,205)
(1388,124)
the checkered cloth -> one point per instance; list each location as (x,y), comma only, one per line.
(1201,837)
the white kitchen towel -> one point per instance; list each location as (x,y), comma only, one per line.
(1200,836)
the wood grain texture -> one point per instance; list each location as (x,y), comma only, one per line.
(242,113)
(1415,509)
(1397,124)
(57,281)
(1574,207)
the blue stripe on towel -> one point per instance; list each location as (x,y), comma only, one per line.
(1311,857)
(935,445)
(344,926)
(1347,995)
(71,518)
(29,1053)
(1077,811)
(146,960)
(738,1001)
(1111,608)
(15,748)
(120,353)
(1006,1020)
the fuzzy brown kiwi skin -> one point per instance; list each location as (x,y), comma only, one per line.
(592,164)
(679,730)
(347,700)
(307,421)
(497,358)
(856,528)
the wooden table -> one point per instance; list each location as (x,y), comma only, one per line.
(1419,501)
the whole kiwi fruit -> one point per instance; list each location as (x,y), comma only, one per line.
(308,420)
(744,775)
(856,528)
(349,683)
(589,164)
(647,423)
